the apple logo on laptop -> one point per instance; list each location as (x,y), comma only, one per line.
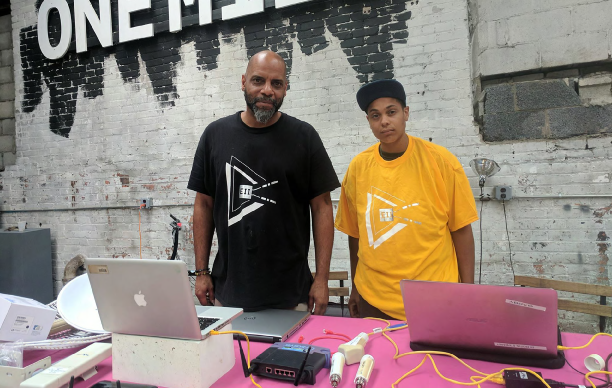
(140,299)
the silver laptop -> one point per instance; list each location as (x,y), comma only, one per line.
(151,298)
(270,325)
(486,318)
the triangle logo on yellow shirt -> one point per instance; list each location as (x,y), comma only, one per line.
(385,215)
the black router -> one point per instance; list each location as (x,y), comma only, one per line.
(298,363)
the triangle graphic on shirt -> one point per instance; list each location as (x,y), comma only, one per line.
(244,190)
(385,216)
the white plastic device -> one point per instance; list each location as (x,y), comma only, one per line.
(365,371)
(594,362)
(337,367)
(81,364)
(11,377)
(354,350)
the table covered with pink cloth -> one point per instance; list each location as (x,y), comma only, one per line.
(386,369)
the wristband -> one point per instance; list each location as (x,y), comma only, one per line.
(202,272)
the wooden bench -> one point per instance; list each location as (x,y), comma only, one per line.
(342,291)
(602,310)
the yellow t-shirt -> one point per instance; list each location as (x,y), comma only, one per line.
(403,211)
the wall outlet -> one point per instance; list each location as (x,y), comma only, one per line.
(503,193)
(148,202)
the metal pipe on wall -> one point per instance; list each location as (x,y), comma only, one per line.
(563,196)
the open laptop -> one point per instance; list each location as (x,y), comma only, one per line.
(506,324)
(270,325)
(151,298)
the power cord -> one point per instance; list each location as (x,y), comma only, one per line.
(606,365)
(476,380)
(607,383)
(492,377)
(139,232)
(585,345)
(482,199)
(508,237)
(248,359)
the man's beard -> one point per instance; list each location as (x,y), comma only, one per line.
(262,115)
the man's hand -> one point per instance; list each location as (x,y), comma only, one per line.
(353,303)
(322,214)
(354,298)
(203,230)
(204,290)
(318,297)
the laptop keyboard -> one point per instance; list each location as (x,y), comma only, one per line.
(205,322)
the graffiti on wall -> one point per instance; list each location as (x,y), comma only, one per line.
(366,31)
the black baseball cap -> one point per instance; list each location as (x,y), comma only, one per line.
(379,89)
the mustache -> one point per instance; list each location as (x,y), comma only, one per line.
(270,100)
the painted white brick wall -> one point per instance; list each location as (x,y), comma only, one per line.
(518,35)
(125,133)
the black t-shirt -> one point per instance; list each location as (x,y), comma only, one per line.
(262,180)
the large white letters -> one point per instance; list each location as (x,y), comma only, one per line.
(102,26)
(174,13)
(287,3)
(43,28)
(205,11)
(242,8)
(126,31)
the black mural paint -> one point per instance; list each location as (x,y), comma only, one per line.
(270,33)
(160,56)
(207,45)
(366,31)
(31,60)
(126,57)
(63,78)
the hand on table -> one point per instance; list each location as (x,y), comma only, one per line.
(318,297)
(204,290)
(353,303)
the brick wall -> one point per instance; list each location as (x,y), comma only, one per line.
(530,47)
(516,35)
(7,94)
(126,127)
(547,108)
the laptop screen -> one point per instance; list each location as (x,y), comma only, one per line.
(496,319)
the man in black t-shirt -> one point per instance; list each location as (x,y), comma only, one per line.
(259,176)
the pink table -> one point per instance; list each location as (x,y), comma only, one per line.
(386,369)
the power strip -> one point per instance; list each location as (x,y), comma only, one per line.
(81,364)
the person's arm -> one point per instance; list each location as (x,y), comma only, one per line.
(203,230)
(463,239)
(323,235)
(354,298)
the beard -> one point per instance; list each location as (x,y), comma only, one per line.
(262,115)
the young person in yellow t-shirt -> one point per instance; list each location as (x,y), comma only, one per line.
(406,206)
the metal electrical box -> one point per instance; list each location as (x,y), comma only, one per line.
(503,193)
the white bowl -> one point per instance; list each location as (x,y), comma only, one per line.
(76,304)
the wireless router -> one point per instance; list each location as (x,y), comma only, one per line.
(298,363)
